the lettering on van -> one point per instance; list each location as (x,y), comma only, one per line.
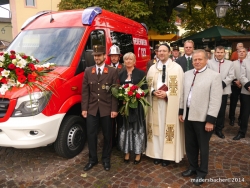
(142,52)
(138,41)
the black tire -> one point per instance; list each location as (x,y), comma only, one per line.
(71,137)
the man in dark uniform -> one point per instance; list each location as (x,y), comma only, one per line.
(156,59)
(175,53)
(185,61)
(115,54)
(99,106)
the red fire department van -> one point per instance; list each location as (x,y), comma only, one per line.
(30,120)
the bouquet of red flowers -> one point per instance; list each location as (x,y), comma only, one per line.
(131,95)
(19,70)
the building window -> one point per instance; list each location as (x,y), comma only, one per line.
(30,3)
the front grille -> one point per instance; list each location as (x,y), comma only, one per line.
(4,104)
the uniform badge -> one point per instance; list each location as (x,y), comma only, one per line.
(103,86)
(93,70)
(107,88)
(119,66)
(105,70)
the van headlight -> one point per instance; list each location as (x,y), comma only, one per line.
(31,104)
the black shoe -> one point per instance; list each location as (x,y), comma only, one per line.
(198,180)
(157,161)
(88,166)
(126,160)
(188,173)
(165,163)
(238,136)
(219,134)
(239,122)
(137,162)
(106,166)
(231,122)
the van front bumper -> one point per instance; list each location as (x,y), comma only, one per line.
(30,132)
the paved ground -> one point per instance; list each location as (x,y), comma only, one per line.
(42,167)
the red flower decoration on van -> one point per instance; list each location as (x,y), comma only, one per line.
(19,70)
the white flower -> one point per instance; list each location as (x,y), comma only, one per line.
(3,89)
(139,90)
(2,58)
(18,57)
(18,84)
(1,64)
(5,73)
(14,61)
(21,64)
(11,82)
(33,59)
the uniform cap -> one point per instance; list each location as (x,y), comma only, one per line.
(207,49)
(176,48)
(157,46)
(98,50)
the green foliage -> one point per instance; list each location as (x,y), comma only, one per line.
(205,18)
(157,15)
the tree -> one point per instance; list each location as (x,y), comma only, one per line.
(200,19)
(158,15)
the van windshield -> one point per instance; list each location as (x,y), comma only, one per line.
(60,44)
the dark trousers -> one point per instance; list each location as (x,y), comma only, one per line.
(197,140)
(221,116)
(92,131)
(234,97)
(245,112)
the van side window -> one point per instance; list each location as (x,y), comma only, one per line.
(87,59)
(123,40)
(95,37)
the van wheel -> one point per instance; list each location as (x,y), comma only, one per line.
(71,137)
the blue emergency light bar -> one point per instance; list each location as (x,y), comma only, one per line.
(89,14)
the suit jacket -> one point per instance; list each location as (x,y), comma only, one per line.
(206,96)
(226,73)
(182,61)
(95,92)
(245,76)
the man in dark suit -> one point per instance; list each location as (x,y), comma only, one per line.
(156,59)
(99,106)
(115,54)
(199,107)
(185,61)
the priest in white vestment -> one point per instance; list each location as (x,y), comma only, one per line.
(165,133)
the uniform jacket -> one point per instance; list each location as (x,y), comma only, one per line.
(95,92)
(182,61)
(120,67)
(226,73)
(206,96)
(245,76)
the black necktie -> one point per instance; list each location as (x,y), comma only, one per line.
(188,63)
(99,73)
(113,64)
(163,73)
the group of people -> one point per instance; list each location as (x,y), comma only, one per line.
(187,96)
